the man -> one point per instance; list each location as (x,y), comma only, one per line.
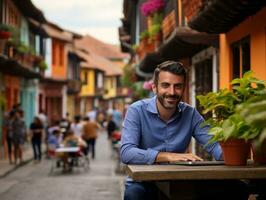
(117,117)
(90,129)
(159,129)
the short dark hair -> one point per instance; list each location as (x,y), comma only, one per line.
(174,67)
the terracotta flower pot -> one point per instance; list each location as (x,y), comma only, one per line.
(235,152)
(4,35)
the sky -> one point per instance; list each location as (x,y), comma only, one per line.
(99,18)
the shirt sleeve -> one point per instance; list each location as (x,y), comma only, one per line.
(200,133)
(130,151)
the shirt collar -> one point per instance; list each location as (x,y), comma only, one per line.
(153,108)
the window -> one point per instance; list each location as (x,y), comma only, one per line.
(53,53)
(99,80)
(240,57)
(85,78)
(112,82)
(61,55)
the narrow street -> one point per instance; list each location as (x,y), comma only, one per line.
(34,181)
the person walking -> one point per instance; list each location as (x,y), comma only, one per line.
(19,134)
(117,117)
(111,126)
(159,130)
(9,134)
(36,133)
(90,129)
(77,126)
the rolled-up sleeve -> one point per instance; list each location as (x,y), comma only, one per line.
(131,152)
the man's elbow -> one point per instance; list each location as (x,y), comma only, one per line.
(123,157)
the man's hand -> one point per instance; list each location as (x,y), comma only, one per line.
(172,157)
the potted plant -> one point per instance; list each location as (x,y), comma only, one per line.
(42,65)
(5,34)
(144,36)
(227,126)
(156,34)
(150,7)
(5,31)
(254,113)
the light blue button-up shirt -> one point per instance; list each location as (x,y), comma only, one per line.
(145,134)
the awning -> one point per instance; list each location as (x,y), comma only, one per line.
(183,42)
(30,10)
(220,16)
(51,80)
(12,67)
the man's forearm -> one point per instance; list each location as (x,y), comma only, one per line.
(133,155)
(171,157)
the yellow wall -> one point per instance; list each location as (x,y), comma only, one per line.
(256,28)
(108,87)
(88,89)
(70,105)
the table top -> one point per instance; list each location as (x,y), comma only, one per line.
(67,149)
(177,172)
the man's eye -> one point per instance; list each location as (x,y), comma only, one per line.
(178,86)
(164,85)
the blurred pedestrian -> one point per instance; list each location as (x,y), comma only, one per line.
(71,140)
(19,134)
(77,126)
(92,114)
(65,124)
(9,134)
(90,129)
(117,118)
(111,126)
(54,141)
(100,117)
(36,133)
(52,127)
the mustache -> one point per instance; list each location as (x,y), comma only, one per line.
(177,97)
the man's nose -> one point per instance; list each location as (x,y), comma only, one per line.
(172,90)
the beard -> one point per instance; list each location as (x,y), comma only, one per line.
(169,102)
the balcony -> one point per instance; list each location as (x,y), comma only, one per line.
(169,24)
(73,86)
(122,92)
(192,7)
(219,16)
(99,92)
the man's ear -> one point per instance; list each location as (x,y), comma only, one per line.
(154,88)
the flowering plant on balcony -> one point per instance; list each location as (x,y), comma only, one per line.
(5,31)
(147,85)
(152,6)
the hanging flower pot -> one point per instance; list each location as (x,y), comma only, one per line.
(5,35)
(152,6)
(5,31)
(235,151)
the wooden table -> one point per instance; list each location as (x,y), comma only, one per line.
(67,149)
(177,181)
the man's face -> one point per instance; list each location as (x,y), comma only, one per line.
(169,89)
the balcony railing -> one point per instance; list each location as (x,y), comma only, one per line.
(73,86)
(192,7)
(169,24)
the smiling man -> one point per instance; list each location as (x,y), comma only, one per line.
(160,129)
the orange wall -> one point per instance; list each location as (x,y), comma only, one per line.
(59,65)
(254,26)
(12,91)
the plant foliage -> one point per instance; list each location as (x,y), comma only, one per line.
(227,122)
